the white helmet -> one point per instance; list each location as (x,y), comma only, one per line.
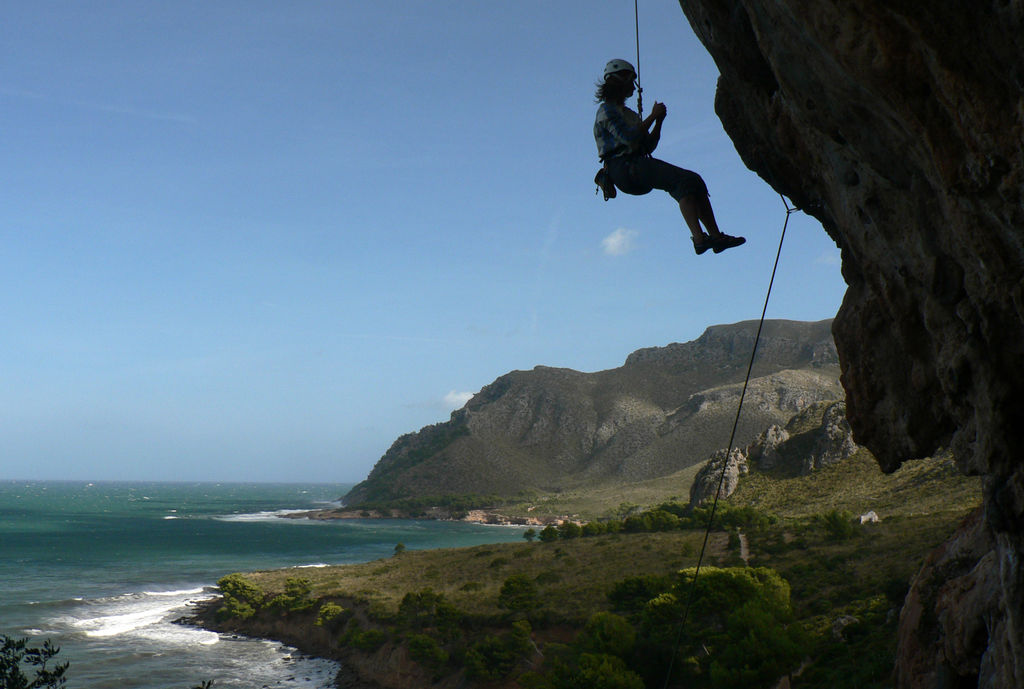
(617,66)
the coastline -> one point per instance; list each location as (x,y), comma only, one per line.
(134,555)
(386,667)
(300,635)
(357,669)
(368,636)
(484,517)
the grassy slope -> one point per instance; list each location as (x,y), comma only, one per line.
(857,484)
(864,576)
(603,501)
(572,575)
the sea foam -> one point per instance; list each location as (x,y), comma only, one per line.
(259,516)
(149,615)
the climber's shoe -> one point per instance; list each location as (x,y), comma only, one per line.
(725,241)
(702,244)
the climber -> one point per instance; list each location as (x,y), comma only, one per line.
(625,143)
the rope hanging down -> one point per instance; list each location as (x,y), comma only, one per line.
(732,438)
(639,88)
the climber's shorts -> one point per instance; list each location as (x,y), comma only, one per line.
(640,175)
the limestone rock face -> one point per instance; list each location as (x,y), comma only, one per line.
(942,630)
(816,437)
(766,450)
(900,126)
(706,483)
(835,440)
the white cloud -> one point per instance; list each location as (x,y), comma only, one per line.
(829,259)
(619,242)
(455,400)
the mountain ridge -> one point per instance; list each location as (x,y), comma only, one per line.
(666,408)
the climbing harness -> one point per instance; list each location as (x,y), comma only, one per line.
(728,454)
(604,183)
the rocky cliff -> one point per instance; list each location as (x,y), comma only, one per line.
(900,126)
(817,437)
(663,410)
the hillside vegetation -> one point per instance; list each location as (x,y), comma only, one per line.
(794,585)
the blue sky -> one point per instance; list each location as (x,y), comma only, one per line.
(248,240)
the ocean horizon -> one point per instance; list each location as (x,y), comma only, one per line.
(105,568)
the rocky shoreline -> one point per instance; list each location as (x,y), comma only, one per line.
(481,516)
(357,670)
(295,633)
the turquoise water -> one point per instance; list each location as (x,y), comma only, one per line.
(103,569)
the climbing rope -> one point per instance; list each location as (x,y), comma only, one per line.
(639,88)
(732,438)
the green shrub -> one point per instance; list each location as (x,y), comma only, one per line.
(636,523)
(518,594)
(569,530)
(746,517)
(494,657)
(661,520)
(680,509)
(297,588)
(741,615)
(419,605)
(548,534)
(363,639)
(427,609)
(632,594)
(419,609)
(862,657)
(14,653)
(626,508)
(488,659)
(237,586)
(839,526)
(726,516)
(427,652)
(295,596)
(608,633)
(548,577)
(235,609)
(594,529)
(328,613)
(242,598)
(597,671)
(613,526)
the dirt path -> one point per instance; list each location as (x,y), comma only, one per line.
(744,548)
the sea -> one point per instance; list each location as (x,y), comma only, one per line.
(105,569)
